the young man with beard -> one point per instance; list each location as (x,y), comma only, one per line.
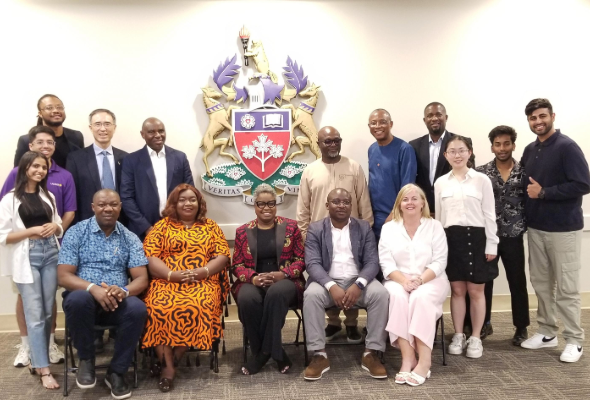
(51,113)
(318,179)
(558,178)
(392,165)
(507,176)
(61,184)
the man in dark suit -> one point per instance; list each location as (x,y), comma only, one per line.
(148,177)
(342,261)
(97,166)
(51,112)
(430,150)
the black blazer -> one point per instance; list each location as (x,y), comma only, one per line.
(139,192)
(421,147)
(83,167)
(74,138)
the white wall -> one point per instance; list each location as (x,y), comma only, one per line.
(483,59)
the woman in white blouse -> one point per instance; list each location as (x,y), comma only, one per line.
(413,258)
(464,202)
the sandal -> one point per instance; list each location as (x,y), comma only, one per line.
(255,365)
(401,377)
(419,379)
(285,363)
(165,385)
(43,383)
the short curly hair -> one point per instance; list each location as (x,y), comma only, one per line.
(170,210)
(502,130)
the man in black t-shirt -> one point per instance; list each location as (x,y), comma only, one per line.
(51,113)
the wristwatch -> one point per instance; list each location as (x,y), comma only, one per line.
(542,194)
(126,291)
(360,285)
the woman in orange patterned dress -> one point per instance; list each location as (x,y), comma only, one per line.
(187,259)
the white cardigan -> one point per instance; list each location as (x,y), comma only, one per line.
(14,258)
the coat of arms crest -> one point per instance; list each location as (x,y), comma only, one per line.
(263,132)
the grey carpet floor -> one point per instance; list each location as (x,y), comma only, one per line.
(504,372)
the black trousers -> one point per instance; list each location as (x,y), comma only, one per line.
(262,311)
(511,252)
(83,312)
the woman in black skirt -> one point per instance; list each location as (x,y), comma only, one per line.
(464,203)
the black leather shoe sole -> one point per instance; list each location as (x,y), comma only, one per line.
(124,395)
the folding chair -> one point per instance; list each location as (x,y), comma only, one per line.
(441,322)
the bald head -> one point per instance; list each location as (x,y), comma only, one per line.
(329,141)
(105,192)
(106,205)
(154,133)
(338,193)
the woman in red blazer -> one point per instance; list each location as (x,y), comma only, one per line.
(268,263)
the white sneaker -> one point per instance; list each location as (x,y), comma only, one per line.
(571,353)
(457,344)
(538,341)
(23,358)
(474,348)
(55,354)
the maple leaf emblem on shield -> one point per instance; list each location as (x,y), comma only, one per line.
(263,146)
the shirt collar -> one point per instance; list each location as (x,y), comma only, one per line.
(470,174)
(549,141)
(344,227)
(98,150)
(54,167)
(94,228)
(152,152)
(439,140)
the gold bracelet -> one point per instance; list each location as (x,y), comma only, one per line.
(169,273)
(207,268)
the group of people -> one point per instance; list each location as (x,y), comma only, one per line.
(424,225)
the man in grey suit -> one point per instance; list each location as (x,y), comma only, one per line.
(342,261)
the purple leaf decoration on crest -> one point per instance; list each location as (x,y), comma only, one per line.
(225,72)
(241,93)
(295,75)
(272,90)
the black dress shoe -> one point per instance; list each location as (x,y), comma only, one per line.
(520,336)
(98,344)
(332,331)
(86,377)
(353,335)
(119,387)
(486,331)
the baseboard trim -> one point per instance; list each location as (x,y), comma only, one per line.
(500,303)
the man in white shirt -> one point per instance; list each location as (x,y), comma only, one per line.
(148,177)
(342,262)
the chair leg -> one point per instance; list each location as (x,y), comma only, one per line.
(298,328)
(442,340)
(135,384)
(245,345)
(304,340)
(65,381)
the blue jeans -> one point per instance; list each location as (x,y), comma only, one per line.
(39,296)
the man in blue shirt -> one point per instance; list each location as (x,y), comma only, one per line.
(96,256)
(392,165)
(558,178)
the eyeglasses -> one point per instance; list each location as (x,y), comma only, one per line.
(105,124)
(51,108)
(374,124)
(114,204)
(461,152)
(338,202)
(330,142)
(192,200)
(44,142)
(269,204)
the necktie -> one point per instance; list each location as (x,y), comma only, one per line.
(107,172)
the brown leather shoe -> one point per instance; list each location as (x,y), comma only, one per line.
(372,364)
(316,368)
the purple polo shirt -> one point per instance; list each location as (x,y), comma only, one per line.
(59,182)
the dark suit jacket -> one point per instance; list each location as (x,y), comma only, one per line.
(319,250)
(422,148)
(139,192)
(83,167)
(74,138)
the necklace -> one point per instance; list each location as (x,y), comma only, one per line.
(266,227)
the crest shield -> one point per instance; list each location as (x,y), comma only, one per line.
(262,139)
